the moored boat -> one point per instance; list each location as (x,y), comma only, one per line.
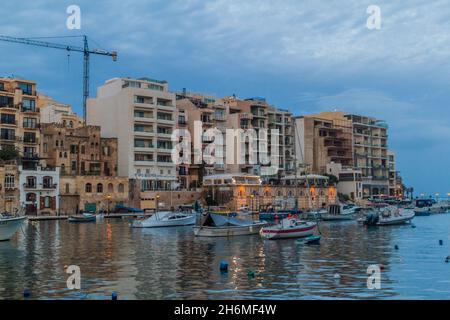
(338,212)
(389,216)
(85,217)
(166,219)
(9,225)
(214,225)
(289,228)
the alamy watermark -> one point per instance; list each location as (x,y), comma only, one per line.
(73,21)
(374,20)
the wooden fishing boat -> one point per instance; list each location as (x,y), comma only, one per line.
(85,217)
(214,225)
(289,228)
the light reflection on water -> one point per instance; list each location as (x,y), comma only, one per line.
(171,263)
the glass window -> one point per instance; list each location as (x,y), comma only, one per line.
(88,188)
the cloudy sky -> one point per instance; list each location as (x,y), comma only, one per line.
(305,56)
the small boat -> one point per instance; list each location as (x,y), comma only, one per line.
(389,216)
(214,225)
(85,217)
(278,215)
(338,212)
(289,228)
(166,219)
(9,225)
(425,211)
(312,240)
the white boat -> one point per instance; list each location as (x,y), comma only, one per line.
(338,212)
(389,216)
(214,225)
(9,226)
(289,228)
(166,219)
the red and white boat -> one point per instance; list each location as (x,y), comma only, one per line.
(289,228)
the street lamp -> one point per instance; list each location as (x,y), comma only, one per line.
(252,196)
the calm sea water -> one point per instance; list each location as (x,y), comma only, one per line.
(171,263)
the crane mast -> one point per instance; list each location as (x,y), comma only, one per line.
(86,57)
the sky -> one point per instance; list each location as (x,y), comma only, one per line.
(305,56)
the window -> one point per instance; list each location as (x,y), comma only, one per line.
(110,188)
(47,182)
(83,150)
(67,188)
(30,123)
(29,137)
(143,157)
(26,88)
(31,197)
(29,152)
(7,134)
(6,101)
(73,149)
(31,182)
(8,118)
(45,147)
(57,143)
(9,181)
(28,105)
(74,166)
(121,188)
(99,188)
(88,188)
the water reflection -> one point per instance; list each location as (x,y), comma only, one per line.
(171,263)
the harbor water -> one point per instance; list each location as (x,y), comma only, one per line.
(170,263)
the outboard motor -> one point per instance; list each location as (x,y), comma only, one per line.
(371,219)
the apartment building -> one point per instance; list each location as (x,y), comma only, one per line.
(78,150)
(323,139)
(57,112)
(19,119)
(371,153)
(196,107)
(283,121)
(392,174)
(141,114)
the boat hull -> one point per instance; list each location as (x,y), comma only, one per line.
(228,231)
(338,217)
(8,227)
(273,233)
(82,219)
(187,221)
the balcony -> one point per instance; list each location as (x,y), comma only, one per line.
(50,186)
(29,186)
(9,123)
(144,119)
(30,110)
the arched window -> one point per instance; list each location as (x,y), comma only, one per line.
(110,188)
(99,188)
(121,188)
(88,188)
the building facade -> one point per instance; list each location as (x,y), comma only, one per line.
(52,111)
(141,114)
(370,146)
(79,150)
(39,190)
(19,119)
(92,193)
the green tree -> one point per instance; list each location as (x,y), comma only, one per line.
(8,153)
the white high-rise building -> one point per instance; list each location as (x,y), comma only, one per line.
(141,114)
